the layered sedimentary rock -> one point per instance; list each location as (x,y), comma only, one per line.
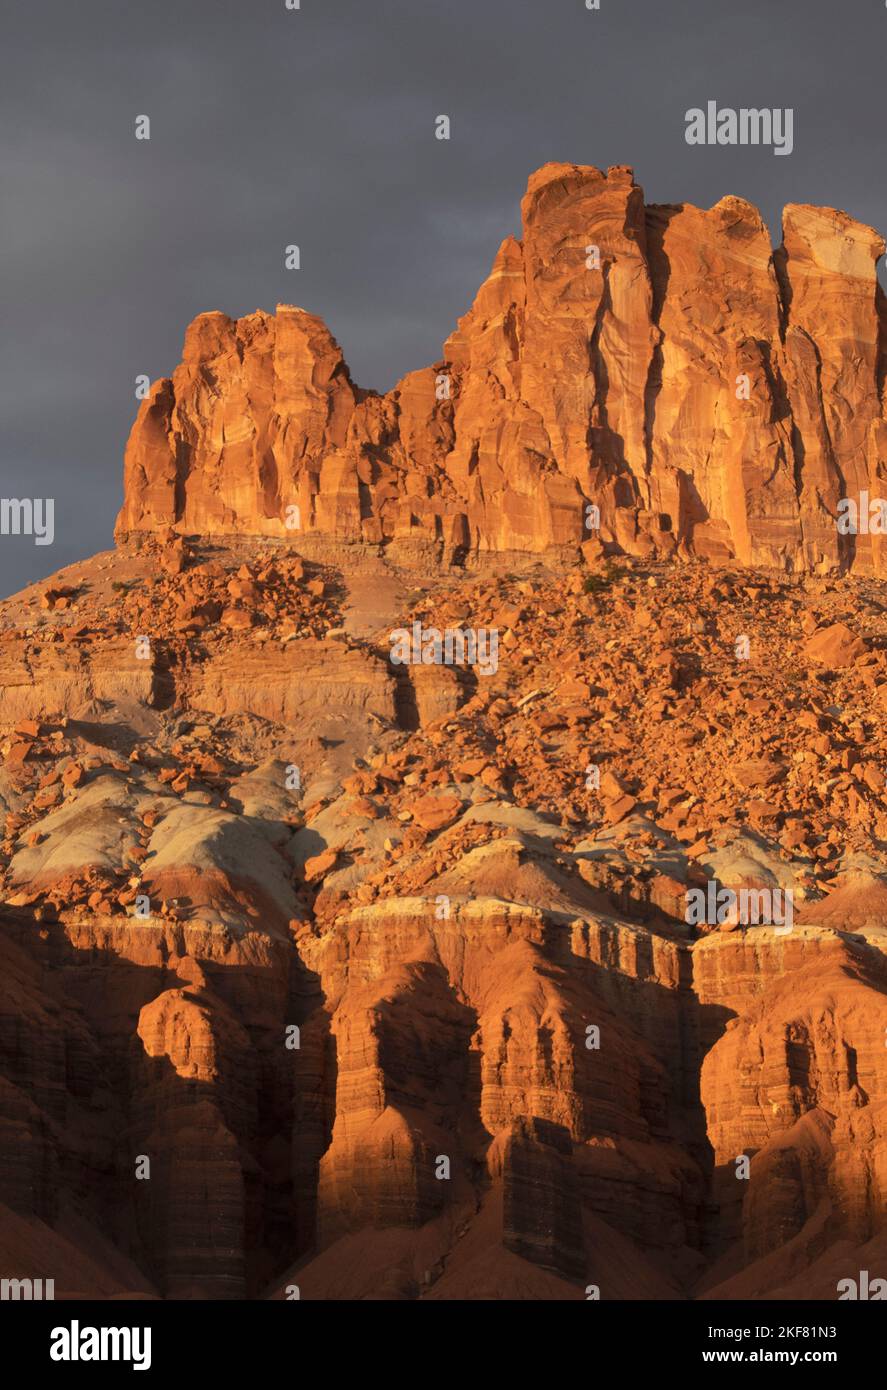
(391,997)
(334,976)
(797,1083)
(660,363)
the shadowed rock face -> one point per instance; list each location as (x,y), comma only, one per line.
(707,395)
(377,979)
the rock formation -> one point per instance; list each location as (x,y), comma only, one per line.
(375,979)
(708,395)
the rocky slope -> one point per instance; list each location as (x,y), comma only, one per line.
(333,977)
(395,998)
(661,363)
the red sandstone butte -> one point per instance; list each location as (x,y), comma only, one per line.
(708,395)
(386,970)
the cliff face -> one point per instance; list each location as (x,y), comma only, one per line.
(373,979)
(661,363)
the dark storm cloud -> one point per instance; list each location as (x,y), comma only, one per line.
(316,127)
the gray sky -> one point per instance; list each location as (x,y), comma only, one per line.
(317,127)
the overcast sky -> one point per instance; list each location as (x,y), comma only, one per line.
(316,126)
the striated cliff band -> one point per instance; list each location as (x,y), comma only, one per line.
(706,394)
(332,975)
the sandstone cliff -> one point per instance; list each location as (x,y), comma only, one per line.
(663,364)
(327,974)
